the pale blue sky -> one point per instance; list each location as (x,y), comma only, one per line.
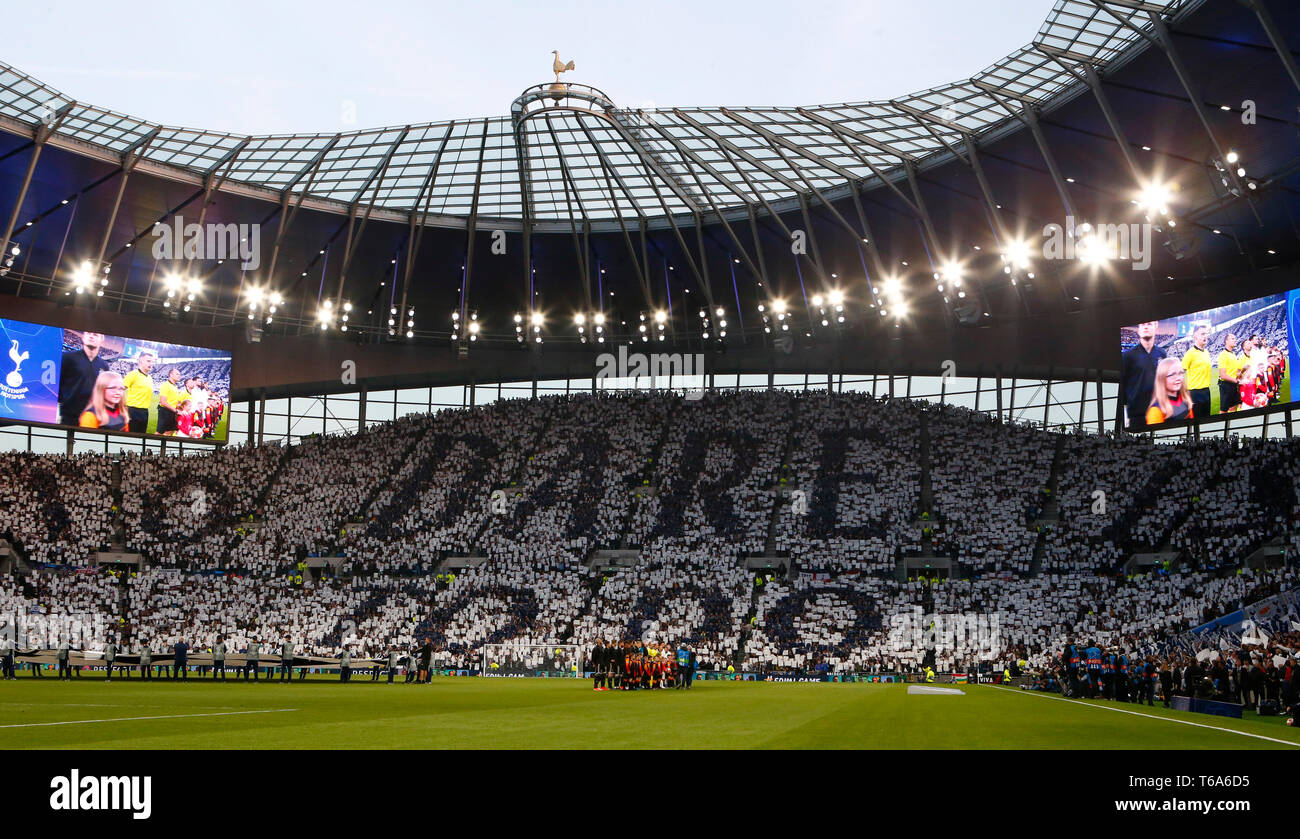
(289,67)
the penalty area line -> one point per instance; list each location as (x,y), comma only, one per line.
(1291,743)
(133,719)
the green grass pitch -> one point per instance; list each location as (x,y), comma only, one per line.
(566,714)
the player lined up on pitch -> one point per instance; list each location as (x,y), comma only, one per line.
(637,665)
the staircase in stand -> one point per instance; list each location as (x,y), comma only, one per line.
(648,474)
(773,522)
(1050,515)
(927,501)
(516,479)
(364,507)
(747,628)
(259,504)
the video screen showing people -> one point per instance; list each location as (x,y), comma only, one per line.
(1233,358)
(127,384)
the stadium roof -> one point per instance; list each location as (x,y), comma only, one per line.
(693,209)
(583,156)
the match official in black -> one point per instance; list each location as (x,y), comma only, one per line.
(180,667)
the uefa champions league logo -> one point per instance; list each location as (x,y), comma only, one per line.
(15,379)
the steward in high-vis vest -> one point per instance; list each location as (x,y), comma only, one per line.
(286,660)
(251,661)
(219,658)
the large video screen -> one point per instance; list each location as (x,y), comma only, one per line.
(1234,358)
(113,383)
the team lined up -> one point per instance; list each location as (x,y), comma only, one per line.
(635,665)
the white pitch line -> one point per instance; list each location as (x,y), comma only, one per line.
(1291,743)
(131,719)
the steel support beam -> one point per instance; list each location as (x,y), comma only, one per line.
(1161,38)
(130,158)
(1093,81)
(471,230)
(648,160)
(212,181)
(376,177)
(40,134)
(415,232)
(1278,42)
(685,151)
(1029,118)
(571,189)
(287,215)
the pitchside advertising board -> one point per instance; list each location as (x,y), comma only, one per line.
(1210,363)
(112,383)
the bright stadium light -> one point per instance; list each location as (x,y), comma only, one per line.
(1017,254)
(580,319)
(82,278)
(778,306)
(661,316)
(836,298)
(1154,198)
(1092,250)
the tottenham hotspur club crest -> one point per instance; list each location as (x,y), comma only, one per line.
(15,379)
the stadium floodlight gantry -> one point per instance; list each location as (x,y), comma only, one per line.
(884,237)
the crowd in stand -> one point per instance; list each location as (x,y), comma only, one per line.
(857,463)
(57,509)
(529,489)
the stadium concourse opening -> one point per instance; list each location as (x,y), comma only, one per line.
(961,419)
